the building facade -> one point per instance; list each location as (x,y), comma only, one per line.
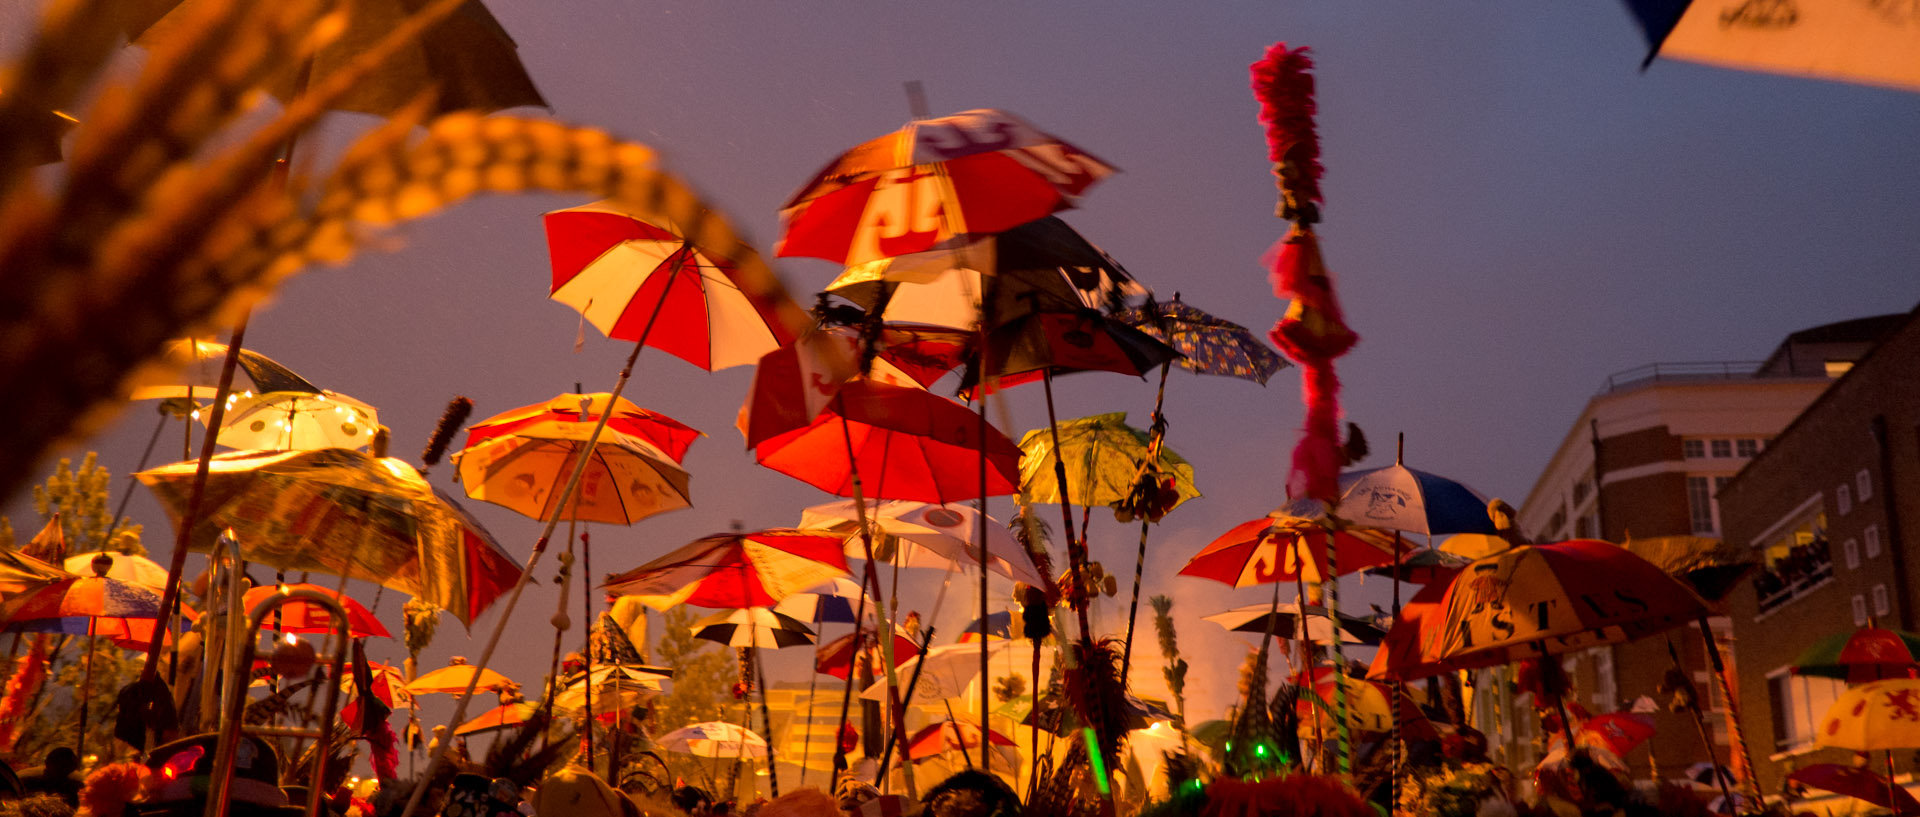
(1646,458)
(1830,506)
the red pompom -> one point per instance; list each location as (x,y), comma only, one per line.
(1285,91)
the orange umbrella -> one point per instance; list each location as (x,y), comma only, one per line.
(554,416)
(307,617)
(907,444)
(1280,546)
(735,570)
(454,679)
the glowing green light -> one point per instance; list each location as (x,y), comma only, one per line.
(1260,750)
(1099,763)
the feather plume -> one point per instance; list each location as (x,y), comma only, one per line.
(111,788)
(21,689)
(458,409)
(1285,91)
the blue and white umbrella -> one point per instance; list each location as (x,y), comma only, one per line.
(1404,499)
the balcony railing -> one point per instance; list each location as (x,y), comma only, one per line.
(1798,586)
(1685,371)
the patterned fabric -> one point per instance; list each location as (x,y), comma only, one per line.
(1103,457)
(1210,345)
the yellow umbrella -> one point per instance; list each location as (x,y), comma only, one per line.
(455,678)
(1874,716)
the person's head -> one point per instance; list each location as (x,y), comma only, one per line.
(691,799)
(41,805)
(61,762)
(971,793)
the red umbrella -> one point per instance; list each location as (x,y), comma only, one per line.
(907,444)
(645,282)
(307,617)
(940,738)
(1616,732)
(1399,656)
(1539,600)
(1866,654)
(1270,549)
(979,171)
(665,433)
(1856,783)
(735,570)
(835,657)
(1369,710)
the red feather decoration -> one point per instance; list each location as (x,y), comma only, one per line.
(20,690)
(1285,91)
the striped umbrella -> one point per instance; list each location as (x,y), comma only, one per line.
(735,570)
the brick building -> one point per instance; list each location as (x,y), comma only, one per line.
(1831,505)
(1644,459)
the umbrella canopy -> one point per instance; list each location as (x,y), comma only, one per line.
(1207,345)
(126,567)
(19,572)
(1400,498)
(1424,566)
(631,276)
(885,197)
(835,601)
(735,570)
(626,479)
(1851,42)
(907,444)
(1539,600)
(1873,716)
(1616,732)
(197,365)
(1400,654)
(919,534)
(389,685)
(937,739)
(907,354)
(987,628)
(1283,621)
(454,679)
(1711,567)
(1282,547)
(1103,456)
(713,739)
(467,59)
(1055,343)
(381,522)
(1859,656)
(609,696)
(560,417)
(753,627)
(301,616)
(1040,266)
(1856,782)
(951,669)
(72,605)
(835,657)
(1369,707)
(296,421)
(504,716)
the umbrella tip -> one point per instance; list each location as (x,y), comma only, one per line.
(102,562)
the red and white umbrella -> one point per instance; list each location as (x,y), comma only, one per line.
(638,280)
(734,570)
(979,171)
(307,617)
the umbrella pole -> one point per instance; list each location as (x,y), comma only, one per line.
(1314,704)
(766,722)
(1699,724)
(1893,802)
(980,509)
(526,574)
(846,693)
(1140,558)
(1742,760)
(900,730)
(87,685)
(560,625)
(586,652)
(813,686)
(954,724)
(1394,690)
(883,626)
(183,537)
(1341,729)
(1076,555)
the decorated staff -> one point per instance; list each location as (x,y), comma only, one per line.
(1313,333)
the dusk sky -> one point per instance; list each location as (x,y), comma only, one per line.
(1513,211)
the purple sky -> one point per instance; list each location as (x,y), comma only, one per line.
(1513,211)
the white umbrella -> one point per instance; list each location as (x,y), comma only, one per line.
(1253,618)
(927,535)
(126,567)
(952,668)
(753,627)
(713,739)
(296,421)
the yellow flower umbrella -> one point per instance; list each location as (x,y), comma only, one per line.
(1882,715)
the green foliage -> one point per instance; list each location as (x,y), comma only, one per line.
(80,497)
(703,676)
(1176,669)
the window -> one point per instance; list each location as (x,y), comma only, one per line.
(1693,449)
(1859,610)
(1746,448)
(1863,485)
(1851,549)
(1798,559)
(1700,505)
(1843,498)
(1880,605)
(1872,537)
(1799,702)
(1722,449)
(1836,368)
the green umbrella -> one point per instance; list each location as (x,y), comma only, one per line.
(1103,456)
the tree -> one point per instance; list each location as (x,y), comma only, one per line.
(53,715)
(703,676)
(80,497)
